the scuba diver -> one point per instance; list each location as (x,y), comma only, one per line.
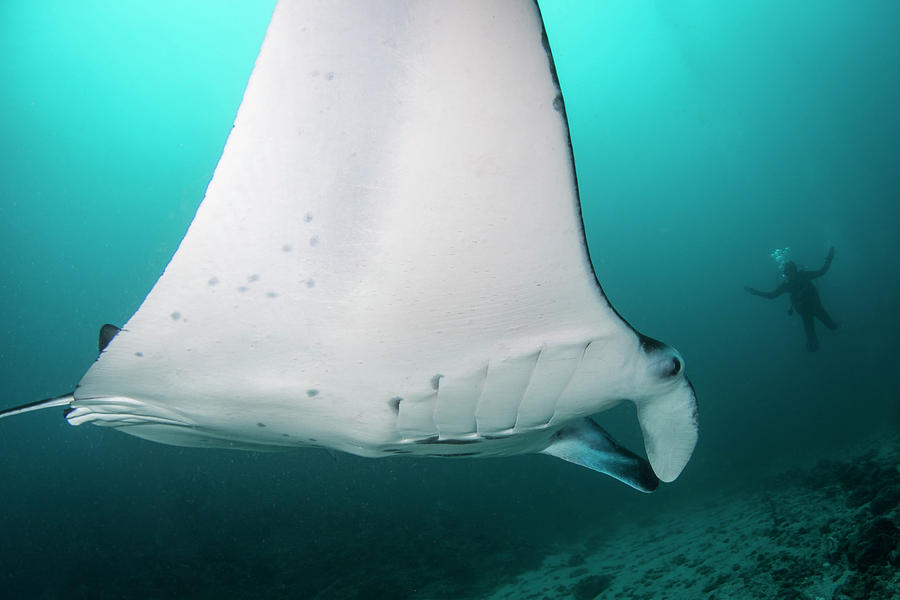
(804,297)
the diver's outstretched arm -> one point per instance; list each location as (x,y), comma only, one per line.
(824,268)
(773,294)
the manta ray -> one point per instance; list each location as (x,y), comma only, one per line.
(390,260)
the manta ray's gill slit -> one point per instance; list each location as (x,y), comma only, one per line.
(436,386)
(537,358)
(408,421)
(568,382)
(484,376)
(436,382)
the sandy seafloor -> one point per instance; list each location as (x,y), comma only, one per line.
(827,530)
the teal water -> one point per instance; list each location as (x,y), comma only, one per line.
(706,134)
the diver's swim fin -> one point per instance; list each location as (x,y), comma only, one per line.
(587,444)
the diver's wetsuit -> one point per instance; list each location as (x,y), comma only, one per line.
(804,298)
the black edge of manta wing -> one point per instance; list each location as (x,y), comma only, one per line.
(560,105)
(647,343)
(63,400)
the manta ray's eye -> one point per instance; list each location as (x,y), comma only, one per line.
(667,368)
(676,367)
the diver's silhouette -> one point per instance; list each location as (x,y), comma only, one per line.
(804,298)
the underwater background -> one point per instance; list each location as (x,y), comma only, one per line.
(706,135)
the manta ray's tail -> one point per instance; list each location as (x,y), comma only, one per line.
(63,400)
(107,333)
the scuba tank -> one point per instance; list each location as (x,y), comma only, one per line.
(781,256)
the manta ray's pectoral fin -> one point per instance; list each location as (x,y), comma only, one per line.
(587,444)
(64,400)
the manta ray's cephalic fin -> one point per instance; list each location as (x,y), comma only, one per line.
(587,444)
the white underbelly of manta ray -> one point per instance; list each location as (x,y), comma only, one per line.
(390,260)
